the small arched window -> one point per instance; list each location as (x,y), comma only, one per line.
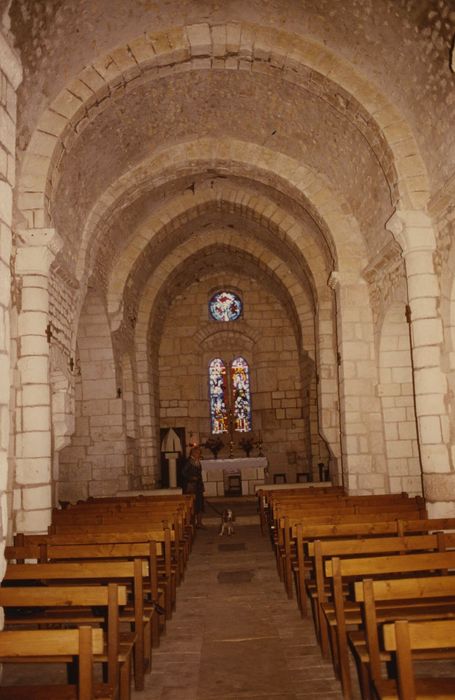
(241,395)
(217,390)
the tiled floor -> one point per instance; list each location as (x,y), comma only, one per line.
(237,640)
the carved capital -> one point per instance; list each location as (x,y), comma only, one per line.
(344,279)
(37,250)
(412,230)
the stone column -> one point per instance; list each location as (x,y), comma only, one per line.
(10,79)
(414,231)
(33,437)
(362,440)
(328,400)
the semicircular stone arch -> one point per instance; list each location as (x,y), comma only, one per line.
(163,53)
(305,309)
(204,334)
(303,305)
(187,206)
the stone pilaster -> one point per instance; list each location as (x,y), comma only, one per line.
(362,441)
(414,231)
(33,439)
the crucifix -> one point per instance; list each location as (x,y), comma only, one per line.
(231,433)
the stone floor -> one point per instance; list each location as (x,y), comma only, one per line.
(235,635)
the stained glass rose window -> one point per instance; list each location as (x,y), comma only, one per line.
(225,306)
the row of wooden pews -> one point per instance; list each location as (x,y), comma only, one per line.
(377,575)
(109,568)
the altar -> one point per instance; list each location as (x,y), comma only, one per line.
(216,471)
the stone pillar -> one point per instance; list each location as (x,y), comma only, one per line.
(172,460)
(328,400)
(414,231)
(33,438)
(10,79)
(362,439)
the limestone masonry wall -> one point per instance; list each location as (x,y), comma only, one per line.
(276,370)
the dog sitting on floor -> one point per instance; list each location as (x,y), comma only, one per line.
(227,523)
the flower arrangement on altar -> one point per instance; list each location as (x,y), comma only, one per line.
(247,443)
(214,444)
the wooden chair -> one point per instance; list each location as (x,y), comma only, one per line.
(57,645)
(404,638)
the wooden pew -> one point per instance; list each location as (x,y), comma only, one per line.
(304,534)
(70,605)
(106,534)
(265,499)
(387,600)
(102,572)
(343,612)
(404,638)
(159,596)
(57,645)
(286,547)
(321,550)
(131,526)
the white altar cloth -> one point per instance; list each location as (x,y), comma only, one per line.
(251,470)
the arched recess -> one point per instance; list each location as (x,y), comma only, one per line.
(397,398)
(94,462)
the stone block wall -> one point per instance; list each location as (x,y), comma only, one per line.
(397,398)
(265,337)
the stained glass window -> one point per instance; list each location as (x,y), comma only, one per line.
(217,384)
(225,306)
(241,396)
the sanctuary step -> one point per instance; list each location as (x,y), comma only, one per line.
(243,507)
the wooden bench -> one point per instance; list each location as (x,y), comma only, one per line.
(102,572)
(404,638)
(305,534)
(57,645)
(344,611)
(163,537)
(287,546)
(387,600)
(70,605)
(318,589)
(130,526)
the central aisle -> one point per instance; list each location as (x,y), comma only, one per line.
(235,635)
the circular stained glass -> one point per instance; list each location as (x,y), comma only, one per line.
(225,306)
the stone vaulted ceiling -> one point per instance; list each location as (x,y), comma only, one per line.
(237,93)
